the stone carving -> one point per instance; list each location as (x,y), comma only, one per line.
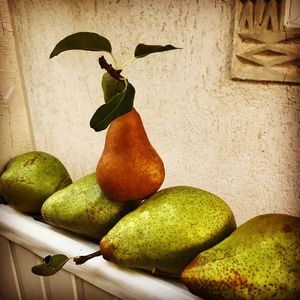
(263,48)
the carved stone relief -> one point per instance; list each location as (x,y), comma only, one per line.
(263,48)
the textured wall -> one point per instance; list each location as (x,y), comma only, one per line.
(239,140)
(15,127)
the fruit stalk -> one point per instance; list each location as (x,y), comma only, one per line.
(116,74)
(79,260)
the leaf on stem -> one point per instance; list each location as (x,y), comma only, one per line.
(117,106)
(82,41)
(143,50)
(51,264)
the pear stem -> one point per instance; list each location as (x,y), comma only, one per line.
(79,260)
(128,62)
(110,69)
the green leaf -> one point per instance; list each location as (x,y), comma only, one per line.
(143,50)
(82,41)
(117,106)
(50,265)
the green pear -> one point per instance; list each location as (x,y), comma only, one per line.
(30,178)
(168,230)
(84,209)
(260,260)
(111,86)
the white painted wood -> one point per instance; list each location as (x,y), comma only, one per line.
(79,288)
(9,286)
(15,125)
(61,286)
(42,240)
(31,286)
(91,293)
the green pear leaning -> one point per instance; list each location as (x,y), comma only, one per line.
(84,209)
(168,230)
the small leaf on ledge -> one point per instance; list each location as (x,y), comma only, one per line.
(82,41)
(51,265)
(143,50)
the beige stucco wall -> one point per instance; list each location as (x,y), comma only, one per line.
(239,140)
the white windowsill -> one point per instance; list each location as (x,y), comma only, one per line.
(124,283)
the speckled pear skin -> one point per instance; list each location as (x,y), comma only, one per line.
(82,208)
(168,230)
(129,168)
(30,178)
(260,260)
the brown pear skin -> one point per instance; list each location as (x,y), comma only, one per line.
(129,168)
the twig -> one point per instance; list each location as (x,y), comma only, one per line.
(79,260)
(109,68)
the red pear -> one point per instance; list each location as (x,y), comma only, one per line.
(129,168)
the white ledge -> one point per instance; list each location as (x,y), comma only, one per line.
(123,283)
